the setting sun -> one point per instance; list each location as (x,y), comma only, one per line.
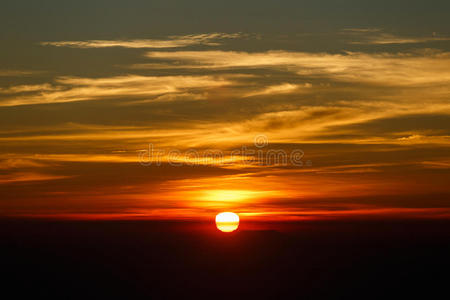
(135,136)
(227,221)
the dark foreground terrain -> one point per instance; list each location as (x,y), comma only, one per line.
(157,260)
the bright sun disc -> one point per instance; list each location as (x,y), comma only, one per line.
(227,221)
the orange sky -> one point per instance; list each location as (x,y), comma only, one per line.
(252,122)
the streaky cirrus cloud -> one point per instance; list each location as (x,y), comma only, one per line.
(69,89)
(377,36)
(28,176)
(306,124)
(18,73)
(27,88)
(284,88)
(207,39)
(404,68)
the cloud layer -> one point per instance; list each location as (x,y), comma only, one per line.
(372,124)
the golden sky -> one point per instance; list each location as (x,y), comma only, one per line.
(367,106)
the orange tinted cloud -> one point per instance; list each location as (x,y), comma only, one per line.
(208,39)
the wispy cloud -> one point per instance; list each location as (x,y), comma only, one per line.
(285,88)
(362,30)
(207,39)
(28,176)
(348,89)
(14,73)
(27,88)
(306,124)
(376,36)
(346,110)
(69,89)
(381,68)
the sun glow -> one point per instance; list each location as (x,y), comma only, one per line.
(227,221)
(230,195)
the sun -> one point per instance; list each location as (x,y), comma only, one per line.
(227,221)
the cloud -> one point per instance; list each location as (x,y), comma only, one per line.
(379,68)
(69,89)
(445,164)
(376,36)
(285,88)
(27,88)
(361,30)
(341,91)
(8,162)
(207,39)
(16,73)
(28,176)
(343,109)
(388,39)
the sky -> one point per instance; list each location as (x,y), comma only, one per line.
(276,110)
